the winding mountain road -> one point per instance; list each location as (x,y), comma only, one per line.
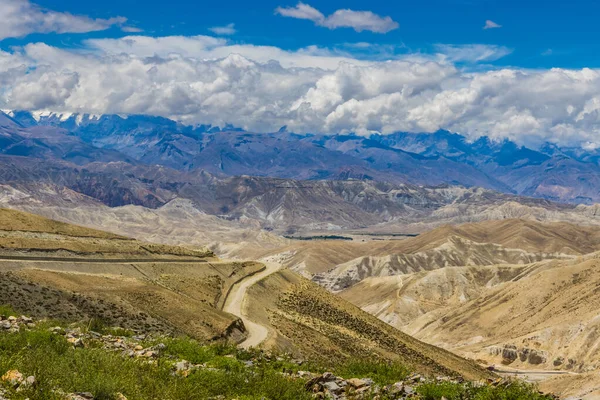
(234,304)
(530,375)
(92,260)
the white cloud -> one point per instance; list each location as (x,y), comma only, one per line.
(357,20)
(131,29)
(472,52)
(228,29)
(21,17)
(489,24)
(301,11)
(261,88)
(208,47)
(360,21)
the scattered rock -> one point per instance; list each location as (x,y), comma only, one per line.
(357,383)
(13,377)
(332,387)
(29,381)
(80,396)
(182,365)
(558,361)
(76,342)
(328,377)
(322,386)
(532,356)
(58,330)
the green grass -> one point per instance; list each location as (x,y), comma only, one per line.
(512,391)
(382,373)
(99,326)
(56,364)
(7,311)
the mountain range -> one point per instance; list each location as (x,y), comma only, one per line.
(442,158)
(515,284)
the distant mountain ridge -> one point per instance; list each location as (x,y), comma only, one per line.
(551,172)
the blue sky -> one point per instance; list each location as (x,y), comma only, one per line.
(541,34)
(532,76)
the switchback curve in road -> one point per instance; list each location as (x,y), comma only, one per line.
(234,304)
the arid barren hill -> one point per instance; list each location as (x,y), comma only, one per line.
(341,264)
(429,286)
(45,272)
(537,314)
(283,206)
(30,235)
(306,319)
(58,270)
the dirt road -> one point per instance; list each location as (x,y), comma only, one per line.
(532,376)
(235,305)
(90,260)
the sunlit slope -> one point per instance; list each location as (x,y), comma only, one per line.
(306,319)
(57,270)
(24,234)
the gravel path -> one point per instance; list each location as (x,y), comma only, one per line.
(235,305)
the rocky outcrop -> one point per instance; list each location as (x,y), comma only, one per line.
(511,353)
(452,251)
(330,386)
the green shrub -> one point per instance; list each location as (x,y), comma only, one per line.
(227,364)
(6,310)
(435,391)
(56,364)
(187,349)
(118,332)
(453,391)
(383,373)
(96,325)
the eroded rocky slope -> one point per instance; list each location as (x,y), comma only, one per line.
(56,270)
(533,314)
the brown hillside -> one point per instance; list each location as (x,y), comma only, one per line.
(306,319)
(548,237)
(24,234)
(13,220)
(48,271)
(543,240)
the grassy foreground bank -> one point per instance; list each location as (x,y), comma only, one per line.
(113,364)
